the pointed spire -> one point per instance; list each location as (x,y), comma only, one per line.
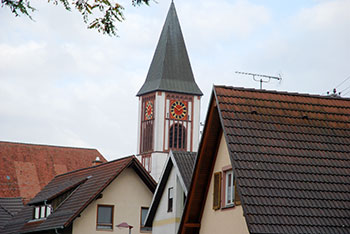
(170,69)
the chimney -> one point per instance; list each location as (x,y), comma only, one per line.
(97,161)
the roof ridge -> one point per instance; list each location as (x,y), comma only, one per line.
(46,145)
(102,164)
(283,92)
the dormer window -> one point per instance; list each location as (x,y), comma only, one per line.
(41,212)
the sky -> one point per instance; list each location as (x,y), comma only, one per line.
(62,84)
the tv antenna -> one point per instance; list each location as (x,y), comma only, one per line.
(263,78)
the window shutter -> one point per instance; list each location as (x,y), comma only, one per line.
(237,199)
(217,191)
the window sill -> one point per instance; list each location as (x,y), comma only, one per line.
(228,207)
(146,231)
(104,230)
(37,220)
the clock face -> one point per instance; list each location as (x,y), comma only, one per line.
(149,110)
(178,110)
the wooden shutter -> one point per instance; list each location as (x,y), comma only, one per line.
(237,199)
(217,191)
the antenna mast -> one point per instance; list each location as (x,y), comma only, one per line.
(261,80)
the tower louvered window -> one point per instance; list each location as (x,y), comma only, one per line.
(147,124)
(177,136)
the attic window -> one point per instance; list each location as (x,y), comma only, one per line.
(41,212)
(254,112)
(305,117)
(170,199)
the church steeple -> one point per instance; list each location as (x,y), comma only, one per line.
(169,101)
(170,69)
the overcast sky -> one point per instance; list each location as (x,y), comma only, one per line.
(61,84)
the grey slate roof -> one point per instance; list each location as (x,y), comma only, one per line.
(8,208)
(183,161)
(170,69)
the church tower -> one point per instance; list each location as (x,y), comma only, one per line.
(169,101)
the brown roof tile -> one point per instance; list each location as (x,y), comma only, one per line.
(290,153)
(291,157)
(26,168)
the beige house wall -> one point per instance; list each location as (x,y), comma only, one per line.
(229,220)
(128,194)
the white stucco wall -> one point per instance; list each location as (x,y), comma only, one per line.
(139,126)
(165,222)
(159,119)
(223,221)
(128,194)
(158,162)
(196,122)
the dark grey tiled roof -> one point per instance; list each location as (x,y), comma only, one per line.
(170,69)
(89,182)
(185,162)
(8,208)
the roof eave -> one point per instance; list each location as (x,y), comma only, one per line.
(158,193)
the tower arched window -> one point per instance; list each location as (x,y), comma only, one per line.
(177,136)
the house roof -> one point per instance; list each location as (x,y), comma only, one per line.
(8,208)
(183,162)
(170,69)
(26,168)
(290,154)
(87,184)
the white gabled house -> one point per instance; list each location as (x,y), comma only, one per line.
(167,205)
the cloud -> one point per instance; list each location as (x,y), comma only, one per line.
(211,20)
(62,84)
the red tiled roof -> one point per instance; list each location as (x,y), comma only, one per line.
(87,183)
(26,168)
(291,157)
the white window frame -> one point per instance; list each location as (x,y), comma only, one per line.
(229,188)
(42,212)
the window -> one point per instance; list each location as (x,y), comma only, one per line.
(177,136)
(170,199)
(144,211)
(224,191)
(217,191)
(146,162)
(105,217)
(41,212)
(229,189)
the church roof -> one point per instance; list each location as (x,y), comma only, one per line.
(26,168)
(170,69)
